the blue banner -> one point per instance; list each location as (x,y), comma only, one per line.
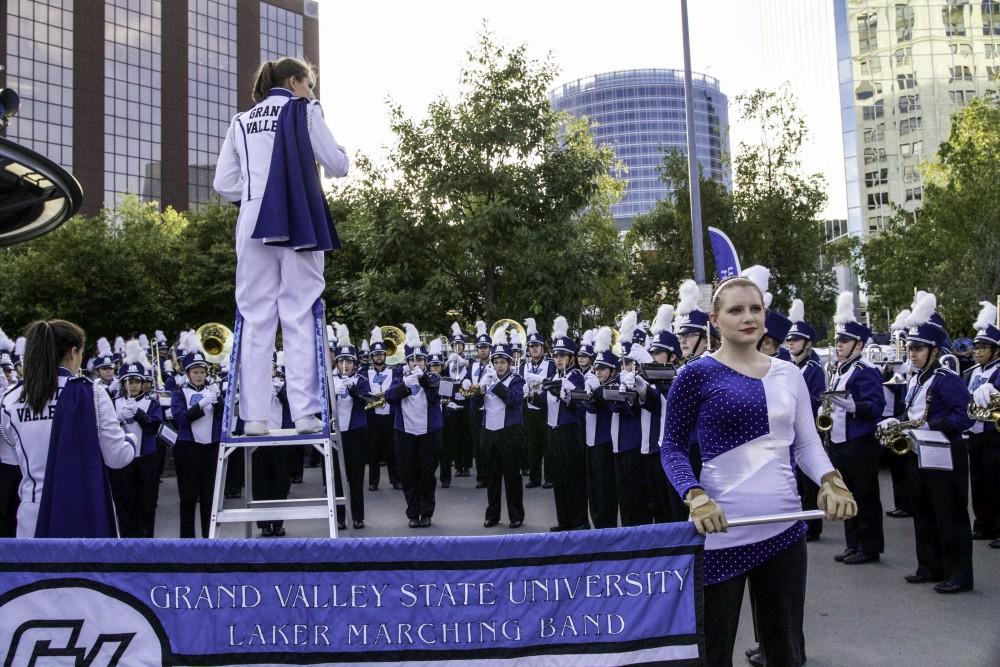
(727,262)
(602,597)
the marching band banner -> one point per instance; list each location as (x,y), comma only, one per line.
(604,597)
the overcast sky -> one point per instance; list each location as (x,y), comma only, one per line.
(412,52)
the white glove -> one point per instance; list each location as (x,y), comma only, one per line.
(456,360)
(627,378)
(350,381)
(705,514)
(466,383)
(983,393)
(489,378)
(209,396)
(126,411)
(417,372)
(568,386)
(835,499)
(641,385)
(340,387)
(845,402)
(591,382)
(411,380)
(886,423)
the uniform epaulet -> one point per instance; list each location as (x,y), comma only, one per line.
(10,389)
(813,362)
(944,370)
(864,362)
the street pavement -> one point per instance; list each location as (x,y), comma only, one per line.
(855,615)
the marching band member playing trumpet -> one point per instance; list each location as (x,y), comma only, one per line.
(748,411)
(937,399)
(853,447)
(984,438)
(381,430)
(350,388)
(417,404)
(535,369)
(457,443)
(503,397)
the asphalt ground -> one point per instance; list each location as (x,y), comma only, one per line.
(855,615)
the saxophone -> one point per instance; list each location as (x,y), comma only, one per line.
(991,413)
(892,437)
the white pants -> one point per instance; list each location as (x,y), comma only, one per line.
(27,518)
(275,284)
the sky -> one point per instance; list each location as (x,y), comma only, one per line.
(412,52)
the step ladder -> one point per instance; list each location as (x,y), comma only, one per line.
(327,442)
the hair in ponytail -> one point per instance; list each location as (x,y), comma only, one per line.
(277,73)
(47,344)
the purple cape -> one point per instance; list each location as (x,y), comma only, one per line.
(293,212)
(76,499)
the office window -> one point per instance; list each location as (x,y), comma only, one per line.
(992,50)
(990,10)
(876,110)
(908,103)
(906,81)
(877,199)
(867,32)
(963,49)
(874,155)
(914,194)
(280,32)
(876,178)
(904,56)
(993,72)
(911,174)
(904,23)
(960,73)
(960,98)
(908,125)
(874,134)
(953,16)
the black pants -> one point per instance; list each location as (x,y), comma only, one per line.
(475,421)
(135,489)
(271,474)
(900,480)
(941,518)
(355,443)
(297,461)
(195,466)
(809,492)
(664,502)
(602,486)
(566,460)
(502,456)
(381,447)
(777,595)
(535,437)
(10,500)
(235,474)
(455,445)
(984,473)
(630,479)
(857,461)
(417,456)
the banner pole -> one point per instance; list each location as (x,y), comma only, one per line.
(776,518)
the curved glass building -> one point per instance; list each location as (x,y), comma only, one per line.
(640,115)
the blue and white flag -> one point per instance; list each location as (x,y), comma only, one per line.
(727,262)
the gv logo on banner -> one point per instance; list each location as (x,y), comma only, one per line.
(76,622)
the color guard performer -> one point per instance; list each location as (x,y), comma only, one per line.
(267,163)
(984,438)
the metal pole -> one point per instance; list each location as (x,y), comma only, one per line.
(694,187)
(777,518)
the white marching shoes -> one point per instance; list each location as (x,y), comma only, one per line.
(310,424)
(255,428)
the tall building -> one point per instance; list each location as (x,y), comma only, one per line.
(136,95)
(904,69)
(640,115)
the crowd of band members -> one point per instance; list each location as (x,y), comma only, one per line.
(575,414)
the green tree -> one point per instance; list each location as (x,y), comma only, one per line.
(951,246)
(204,283)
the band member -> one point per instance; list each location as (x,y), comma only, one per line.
(565,454)
(747,410)
(503,396)
(136,487)
(10,473)
(695,333)
(936,403)
(535,369)
(626,328)
(853,447)
(456,445)
(284,226)
(417,404)
(351,388)
(477,370)
(585,355)
(64,431)
(364,356)
(984,439)
(104,366)
(799,340)
(664,348)
(20,345)
(275,467)
(197,407)
(602,487)
(894,389)
(381,432)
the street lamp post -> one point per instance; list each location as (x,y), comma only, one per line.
(694,186)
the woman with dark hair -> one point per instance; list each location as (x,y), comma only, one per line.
(65,432)
(268,164)
(753,419)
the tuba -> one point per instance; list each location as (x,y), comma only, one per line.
(394,338)
(511,324)
(217,341)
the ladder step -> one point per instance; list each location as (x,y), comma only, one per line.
(272,514)
(276,438)
(295,502)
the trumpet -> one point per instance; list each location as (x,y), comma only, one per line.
(892,437)
(471,390)
(991,413)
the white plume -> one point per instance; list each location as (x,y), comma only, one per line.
(435,346)
(343,335)
(588,337)
(103,347)
(168,366)
(845,308)
(6,344)
(160,336)
(194,342)
(144,341)
(21,343)
(500,337)
(412,335)
(917,297)
(797,313)
(515,337)
(331,335)
(627,326)
(530,326)
(900,322)
(119,345)
(922,310)
(760,275)
(364,345)
(664,316)
(480,327)
(688,296)
(560,327)
(134,353)
(986,317)
(602,342)
(639,354)
(376,335)
(279,358)
(455,329)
